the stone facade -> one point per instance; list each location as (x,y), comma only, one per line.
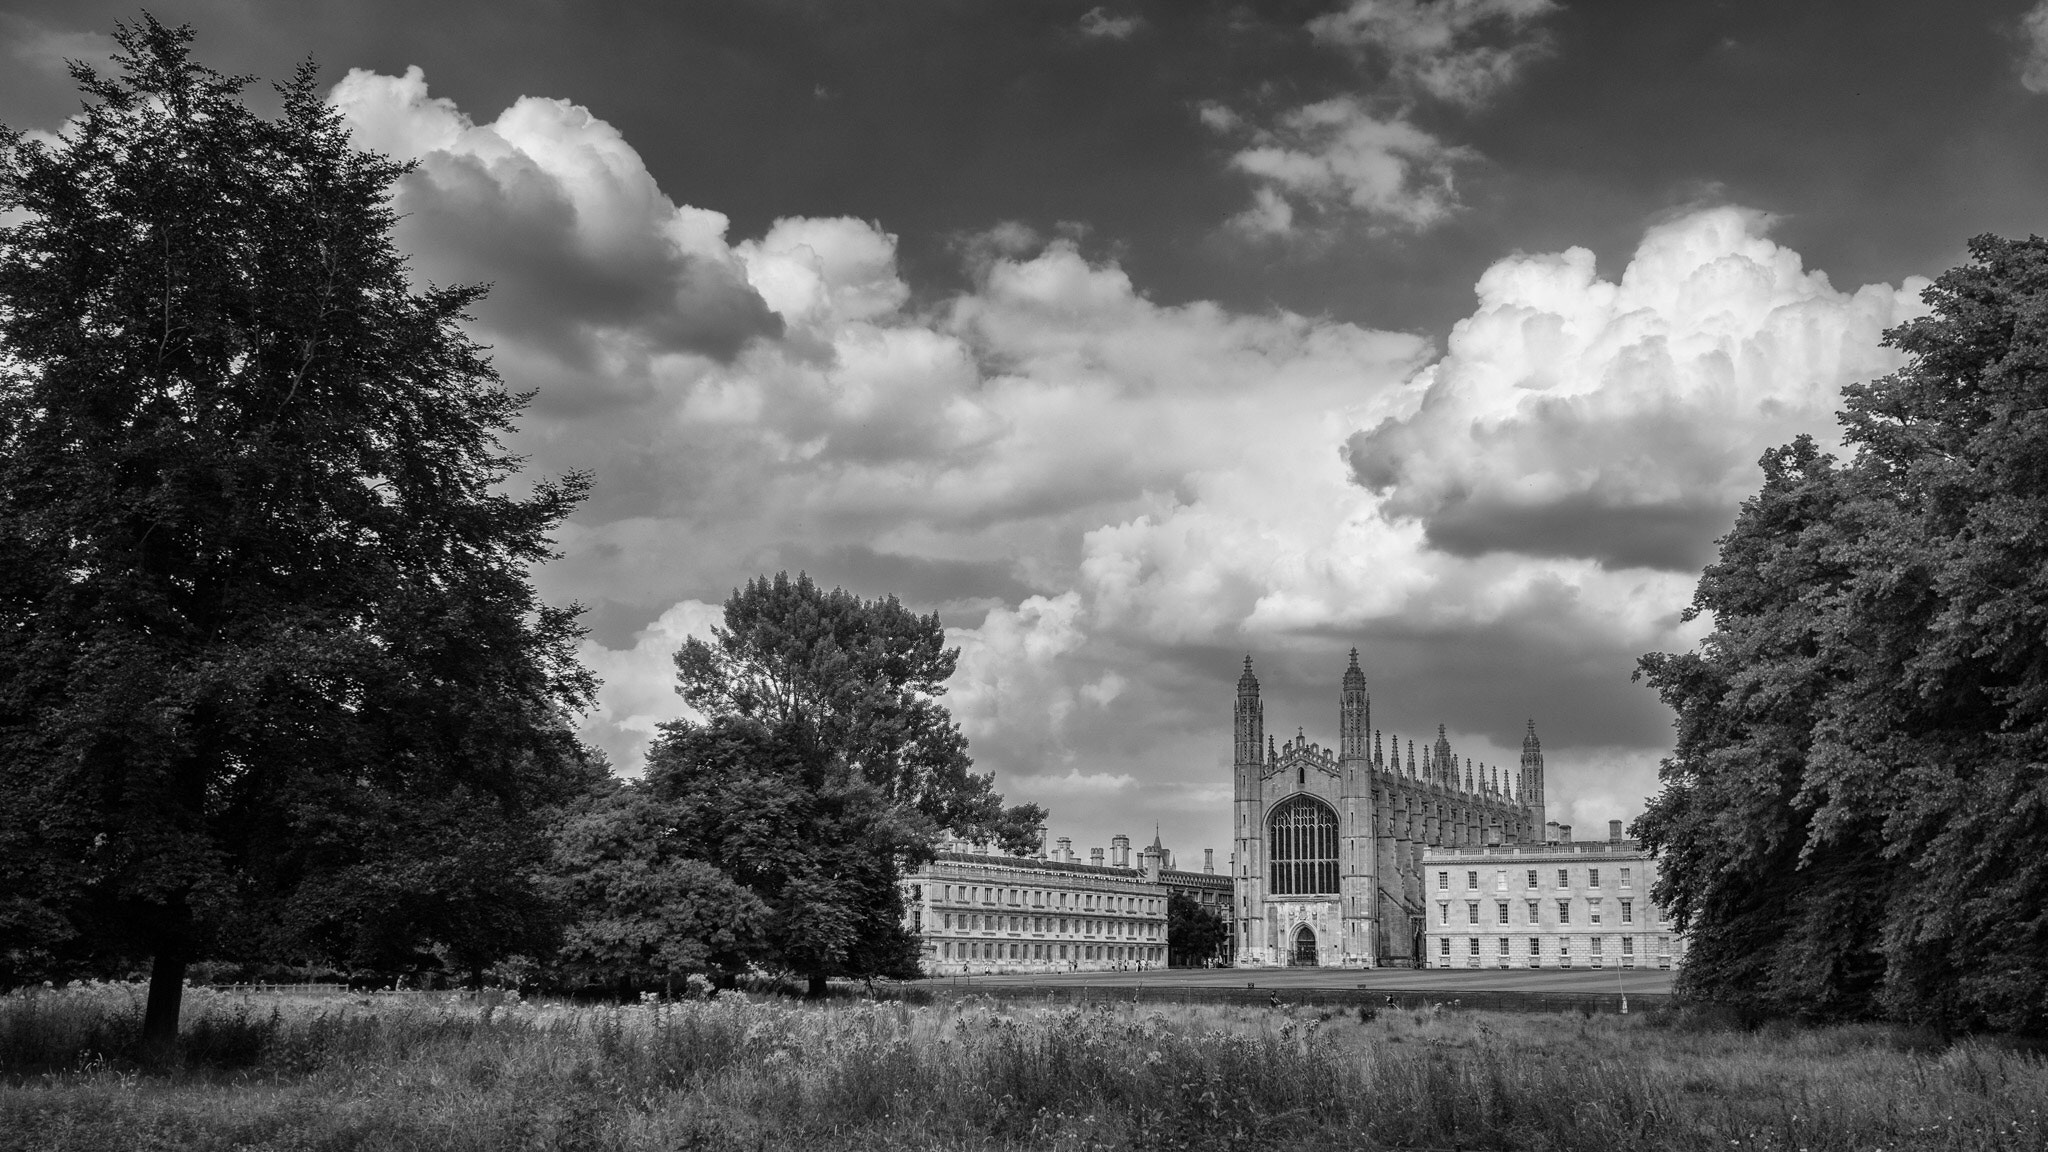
(1551,905)
(1328,842)
(982,912)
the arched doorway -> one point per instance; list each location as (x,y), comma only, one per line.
(1304,948)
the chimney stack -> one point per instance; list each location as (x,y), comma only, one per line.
(1550,833)
(1095,857)
(1209,861)
(1614,830)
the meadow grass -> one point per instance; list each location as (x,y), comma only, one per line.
(419,1072)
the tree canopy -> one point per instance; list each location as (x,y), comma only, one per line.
(1855,819)
(820,765)
(268,649)
(866,676)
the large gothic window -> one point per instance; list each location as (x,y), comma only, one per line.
(1301,846)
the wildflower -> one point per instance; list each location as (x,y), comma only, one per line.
(1154,1057)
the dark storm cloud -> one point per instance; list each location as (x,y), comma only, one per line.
(1678,536)
(515,227)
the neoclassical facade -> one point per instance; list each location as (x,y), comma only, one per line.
(1328,842)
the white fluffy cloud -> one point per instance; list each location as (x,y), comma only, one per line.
(1460,51)
(1359,155)
(1620,421)
(1113,499)
(1341,158)
(2034,55)
(639,690)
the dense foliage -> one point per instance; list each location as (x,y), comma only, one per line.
(821,765)
(1855,819)
(272,677)
(1194,935)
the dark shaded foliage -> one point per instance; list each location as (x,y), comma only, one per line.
(273,681)
(1855,819)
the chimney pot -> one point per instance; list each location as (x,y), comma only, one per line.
(1209,860)
(1614,829)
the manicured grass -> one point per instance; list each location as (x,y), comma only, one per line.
(447,1073)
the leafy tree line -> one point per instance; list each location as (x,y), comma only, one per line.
(1854,822)
(274,683)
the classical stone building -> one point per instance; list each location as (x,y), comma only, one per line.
(981,911)
(1556,904)
(1327,865)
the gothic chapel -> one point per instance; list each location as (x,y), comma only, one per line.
(1328,842)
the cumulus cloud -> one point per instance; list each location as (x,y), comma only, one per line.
(1339,158)
(1459,51)
(2033,30)
(1098,24)
(590,263)
(1113,499)
(1620,421)
(1359,155)
(639,691)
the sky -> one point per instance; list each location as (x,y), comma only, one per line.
(1136,338)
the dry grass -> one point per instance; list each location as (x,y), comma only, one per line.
(419,1073)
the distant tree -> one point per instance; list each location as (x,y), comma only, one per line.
(866,676)
(648,911)
(1194,935)
(777,811)
(265,624)
(1855,818)
(823,766)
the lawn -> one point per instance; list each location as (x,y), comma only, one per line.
(419,1072)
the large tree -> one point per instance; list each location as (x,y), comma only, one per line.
(266,631)
(823,765)
(1855,819)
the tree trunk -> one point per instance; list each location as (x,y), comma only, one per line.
(166,996)
(817,988)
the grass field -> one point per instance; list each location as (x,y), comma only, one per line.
(416,1072)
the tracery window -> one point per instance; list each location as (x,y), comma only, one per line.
(1303,852)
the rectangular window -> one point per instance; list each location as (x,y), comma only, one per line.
(1595,951)
(1624,878)
(1628,911)
(1443,881)
(1535,951)
(1564,878)
(1564,953)
(1593,908)
(1628,946)
(1534,912)
(1532,878)
(1564,911)
(1503,951)
(1473,951)
(1500,880)
(1471,911)
(1501,909)
(1444,912)
(1592,877)
(1472,881)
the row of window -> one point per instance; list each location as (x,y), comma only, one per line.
(1500,879)
(1037,898)
(972,923)
(1562,951)
(1595,908)
(1000,950)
